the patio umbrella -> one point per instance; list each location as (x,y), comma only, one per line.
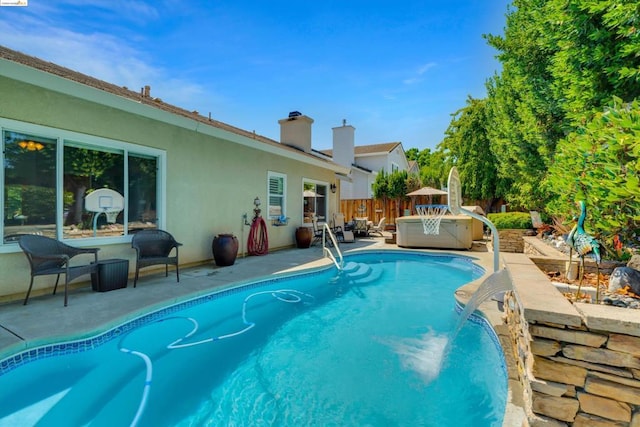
(428,191)
(311,193)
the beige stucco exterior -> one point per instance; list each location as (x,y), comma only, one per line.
(212,174)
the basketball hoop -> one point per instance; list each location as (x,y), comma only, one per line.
(106,201)
(431,216)
(111,216)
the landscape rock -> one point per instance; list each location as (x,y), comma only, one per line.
(634,262)
(625,276)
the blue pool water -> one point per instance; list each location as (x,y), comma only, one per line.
(365,348)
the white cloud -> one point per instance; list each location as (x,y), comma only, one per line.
(103,56)
(412,80)
(131,10)
(421,70)
(426,67)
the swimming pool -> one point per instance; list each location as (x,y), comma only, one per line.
(316,348)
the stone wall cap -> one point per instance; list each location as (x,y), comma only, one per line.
(541,301)
(608,318)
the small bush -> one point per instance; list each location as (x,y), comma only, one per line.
(503,221)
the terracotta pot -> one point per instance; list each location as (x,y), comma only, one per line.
(225,249)
(304,236)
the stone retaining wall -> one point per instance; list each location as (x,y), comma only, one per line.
(578,364)
(511,240)
(548,258)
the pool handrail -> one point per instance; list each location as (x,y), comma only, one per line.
(327,252)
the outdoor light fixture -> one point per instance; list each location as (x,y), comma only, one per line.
(333,187)
(30,145)
(256,210)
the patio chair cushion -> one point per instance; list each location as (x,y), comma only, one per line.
(348,237)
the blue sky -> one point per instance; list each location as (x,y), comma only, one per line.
(396,71)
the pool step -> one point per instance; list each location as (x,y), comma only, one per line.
(362,270)
(358,273)
(374,274)
(350,267)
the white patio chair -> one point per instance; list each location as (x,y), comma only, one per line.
(378,229)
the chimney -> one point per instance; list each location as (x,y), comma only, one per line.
(344,144)
(295,130)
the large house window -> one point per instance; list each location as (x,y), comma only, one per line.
(29,185)
(86,170)
(315,200)
(143,184)
(276,195)
(51,182)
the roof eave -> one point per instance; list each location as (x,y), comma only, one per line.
(40,78)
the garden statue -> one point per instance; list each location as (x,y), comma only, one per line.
(584,244)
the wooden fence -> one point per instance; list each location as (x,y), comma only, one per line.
(373,209)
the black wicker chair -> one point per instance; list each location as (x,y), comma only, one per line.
(154,247)
(49,256)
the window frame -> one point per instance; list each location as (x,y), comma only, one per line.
(326,185)
(270,175)
(90,142)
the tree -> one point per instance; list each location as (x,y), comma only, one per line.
(398,188)
(412,154)
(597,53)
(380,189)
(525,119)
(561,62)
(434,168)
(599,163)
(466,145)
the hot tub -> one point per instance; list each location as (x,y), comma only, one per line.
(456,232)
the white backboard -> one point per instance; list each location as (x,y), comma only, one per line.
(455,192)
(104,200)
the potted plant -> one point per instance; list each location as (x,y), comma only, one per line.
(225,249)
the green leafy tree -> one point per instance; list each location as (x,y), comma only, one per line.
(412,154)
(599,163)
(398,188)
(525,119)
(597,52)
(381,189)
(467,145)
(413,183)
(434,168)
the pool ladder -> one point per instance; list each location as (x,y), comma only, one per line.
(338,261)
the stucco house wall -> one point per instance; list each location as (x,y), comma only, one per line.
(387,161)
(360,187)
(212,174)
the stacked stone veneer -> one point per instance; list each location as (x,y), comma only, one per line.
(548,258)
(511,240)
(578,364)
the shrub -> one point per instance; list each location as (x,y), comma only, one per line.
(503,221)
(600,163)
